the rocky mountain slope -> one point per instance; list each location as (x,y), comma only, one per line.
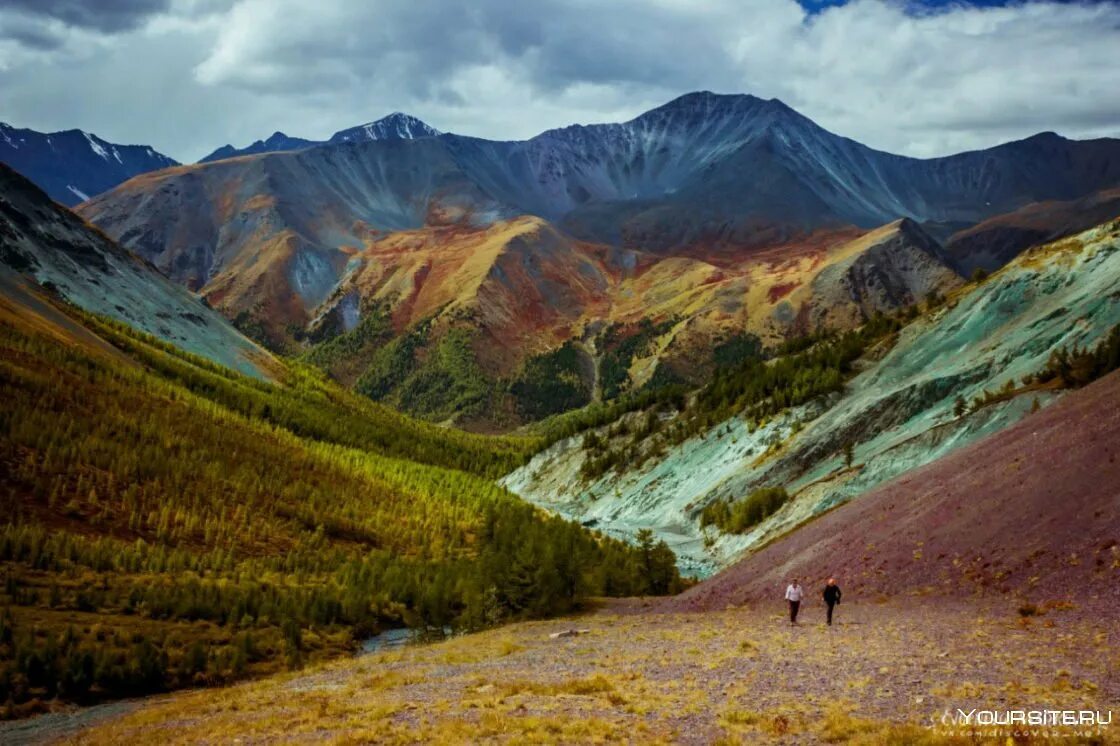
(72,166)
(46,242)
(530,302)
(303,212)
(904,410)
(1032,510)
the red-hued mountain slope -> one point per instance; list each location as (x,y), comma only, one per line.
(1033,510)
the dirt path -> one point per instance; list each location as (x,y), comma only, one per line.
(886,671)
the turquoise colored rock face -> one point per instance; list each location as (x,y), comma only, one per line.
(61,251)
(144,299)
(899,411)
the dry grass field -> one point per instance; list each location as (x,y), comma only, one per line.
(884,673)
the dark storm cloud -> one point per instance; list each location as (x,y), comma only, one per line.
(31,33)
(100,15)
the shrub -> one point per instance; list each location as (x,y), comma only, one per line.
(738,517)
(1077,367)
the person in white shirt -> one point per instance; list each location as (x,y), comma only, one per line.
(794,595)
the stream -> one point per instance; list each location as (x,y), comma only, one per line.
(392,639)
(68,723)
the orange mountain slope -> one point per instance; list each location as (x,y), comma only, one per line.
(296,267)
(530,287)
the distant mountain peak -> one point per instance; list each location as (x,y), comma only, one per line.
(908,225)
(707,97)
(707,101)
(276,142)
(395,126)
(1046,137)
(704,107)
(398,116)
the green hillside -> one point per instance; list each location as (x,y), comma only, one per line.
(169,522)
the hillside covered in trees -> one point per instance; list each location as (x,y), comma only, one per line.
(168,522)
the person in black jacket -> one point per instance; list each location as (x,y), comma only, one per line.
(831,597)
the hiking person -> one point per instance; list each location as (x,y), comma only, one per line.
(794,595)
(831,597)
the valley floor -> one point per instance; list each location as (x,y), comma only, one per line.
(884,673)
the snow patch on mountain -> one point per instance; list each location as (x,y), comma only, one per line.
(7,138)
(95,146)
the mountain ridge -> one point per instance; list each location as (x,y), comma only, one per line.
(395,126)
(275,142)
(73,165)
(54,246)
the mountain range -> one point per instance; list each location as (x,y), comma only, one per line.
(436,271)
(73,165)
(710,215)
(275,142)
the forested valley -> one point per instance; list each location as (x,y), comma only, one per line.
(170,523)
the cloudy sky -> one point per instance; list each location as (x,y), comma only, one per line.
(921,78)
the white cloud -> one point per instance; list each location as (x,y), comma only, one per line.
(922,83)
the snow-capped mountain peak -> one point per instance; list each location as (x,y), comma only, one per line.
(396,126)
